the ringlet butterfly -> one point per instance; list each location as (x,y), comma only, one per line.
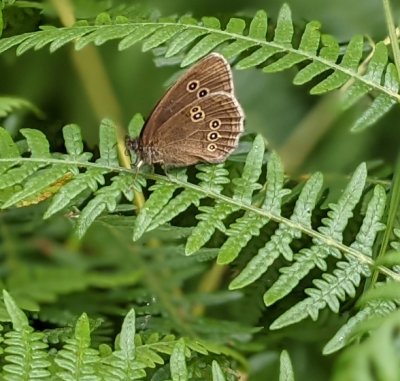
(198,120)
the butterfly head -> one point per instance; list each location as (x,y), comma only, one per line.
(134,145)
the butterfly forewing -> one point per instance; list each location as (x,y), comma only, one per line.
(211,74)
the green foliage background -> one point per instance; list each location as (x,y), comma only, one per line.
(68,275)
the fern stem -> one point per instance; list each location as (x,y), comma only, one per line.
(392,33)
(390,216)
(276,45)
(262,212)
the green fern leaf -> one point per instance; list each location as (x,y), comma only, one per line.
(40,182)
(217,374)
(257,31)
(137,34)
(243,190)
(113,33)
(329,52)
(350,62)
(68,35)
(177,363)
(374,74)
(77,186)
(26,358)
(333,228)
(108,144)
(127,342)
(8,150)
(18,318)
(204,46)
(39,148)
(73,141)
(347,333)
(77,361)
(382,103)
(280,241)
(122,365)
(244,228)
(37,143)
(286,368)
(282,39)
(205,36)
(11,42)
(211,179)
(83,181)
(376,355)
(284,27)
(162,192)
(259,26)
(309,44)
(106,198)
(161,36)
(334,287)
(184,39)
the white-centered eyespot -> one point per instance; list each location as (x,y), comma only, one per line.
(213,136)
(198,116)
(215,124)
(192,85)
(212,147)
(203,92)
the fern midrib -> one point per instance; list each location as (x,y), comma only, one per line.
(277,218)
(309,56)
(282,48)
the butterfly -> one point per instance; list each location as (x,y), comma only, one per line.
(198,120)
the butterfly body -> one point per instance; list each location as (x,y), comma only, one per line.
(198,120)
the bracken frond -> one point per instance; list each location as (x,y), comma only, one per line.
(318,55)
(242,209)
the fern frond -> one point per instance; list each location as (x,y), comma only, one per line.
(77,361)
(351,329)
(217,374)
(316,255)
(244,228)
(177,363)
(376,355)
(122,364)
(26,356)
(162,193)
(280,242)
(212,217)
(316,52)
(286,368)
(334,287)
(45,174)
(211,178)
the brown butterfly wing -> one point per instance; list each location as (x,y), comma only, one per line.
(211,74)
(208,129)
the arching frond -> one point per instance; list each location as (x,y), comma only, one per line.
(26,356)
(45,175)
(77,361)
(243,217)
(318,54)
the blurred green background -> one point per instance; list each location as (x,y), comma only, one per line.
(273,105)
